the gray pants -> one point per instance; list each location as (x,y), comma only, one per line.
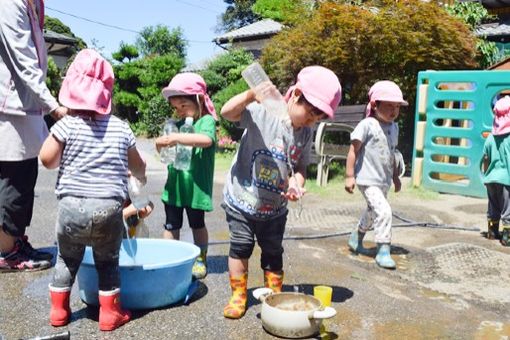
(499,207)
(88,222)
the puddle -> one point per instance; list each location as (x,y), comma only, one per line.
(408,330)
(397,254)
(492,330)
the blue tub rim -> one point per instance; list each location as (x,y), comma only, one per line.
(195,251)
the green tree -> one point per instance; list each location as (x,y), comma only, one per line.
(285,11)
(223,79)
(363,45)
(474,14)
(126,51)
(160,40)
(53,77)
(238,14)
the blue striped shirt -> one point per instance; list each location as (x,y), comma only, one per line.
(94,160)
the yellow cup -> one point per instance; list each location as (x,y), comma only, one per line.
(323,293)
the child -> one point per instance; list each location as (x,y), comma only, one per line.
(496,176)
(190,190)
(268,169)
(94,151)
(371,165)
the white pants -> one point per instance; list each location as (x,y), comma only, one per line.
(377,215)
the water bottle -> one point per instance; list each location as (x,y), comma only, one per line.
(254,75)
(183,155)
(136,193)
(167,153)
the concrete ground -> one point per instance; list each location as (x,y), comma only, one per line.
(451,283)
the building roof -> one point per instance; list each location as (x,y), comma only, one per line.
(257,30)
(495,29)
(58,43)
(491,3)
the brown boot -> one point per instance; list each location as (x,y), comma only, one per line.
(493,230)
(236,306)
(60,311)
(273,280)
(111,315)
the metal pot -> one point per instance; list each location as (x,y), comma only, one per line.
(291,315)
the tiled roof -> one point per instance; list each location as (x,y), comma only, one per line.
(257,29)
(51,36)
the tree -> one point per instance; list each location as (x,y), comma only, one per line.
(160,40)
(238,14)
(474,14)
(285,11)
(126,51)
(363,45)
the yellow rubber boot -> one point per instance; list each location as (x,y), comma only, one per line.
(199,270)
(273,280)
(236,306)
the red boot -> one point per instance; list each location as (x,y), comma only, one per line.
(111,315)
(60,311)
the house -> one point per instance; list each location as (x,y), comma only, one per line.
(60,47)
(251,37)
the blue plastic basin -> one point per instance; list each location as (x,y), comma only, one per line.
(153,273)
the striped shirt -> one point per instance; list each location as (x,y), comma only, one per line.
(94,160)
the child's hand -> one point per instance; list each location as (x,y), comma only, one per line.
(350,183)
(294,193)
(167,140)
(397,183)
(265,90)
(146,211)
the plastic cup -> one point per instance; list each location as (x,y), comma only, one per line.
(324,294)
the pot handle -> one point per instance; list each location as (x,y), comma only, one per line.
(261,293)
(325,313)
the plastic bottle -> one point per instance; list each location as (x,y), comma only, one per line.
(254,75)
(183,155)
(136,193)
(137,227)
(167,153)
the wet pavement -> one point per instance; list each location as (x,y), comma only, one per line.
(450,282)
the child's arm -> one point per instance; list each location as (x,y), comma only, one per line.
(396,179)
(235,106)
(130,210)
(136,163)
(192,139)
(485,163)
(51,152)
(350,181)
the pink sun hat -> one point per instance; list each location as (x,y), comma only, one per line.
(321,88)
(185,84)
(501,123)
(384,91)
(88,84)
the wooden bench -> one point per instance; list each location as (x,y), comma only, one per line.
(344,121)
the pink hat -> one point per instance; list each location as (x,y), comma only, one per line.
(88,84)
(185,84)
(384,91)
(321,88)
(501,123)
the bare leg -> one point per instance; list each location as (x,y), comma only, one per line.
(237,267)
(171,234)
(200,236)
(6,241)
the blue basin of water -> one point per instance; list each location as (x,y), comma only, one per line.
(153,273)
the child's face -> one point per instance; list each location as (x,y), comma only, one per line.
(185,107)
(387,111)
(301,112)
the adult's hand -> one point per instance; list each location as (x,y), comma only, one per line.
(59,113)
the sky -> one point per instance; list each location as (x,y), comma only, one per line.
(197,18)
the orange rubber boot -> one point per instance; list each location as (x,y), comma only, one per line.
(273,280)
(111,315)
(236,306)
(60,312)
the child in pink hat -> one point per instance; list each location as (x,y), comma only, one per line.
(496,176)
(268,170)
(93,151)
(371,165)
(190,189)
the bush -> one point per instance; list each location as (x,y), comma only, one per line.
(227,128)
